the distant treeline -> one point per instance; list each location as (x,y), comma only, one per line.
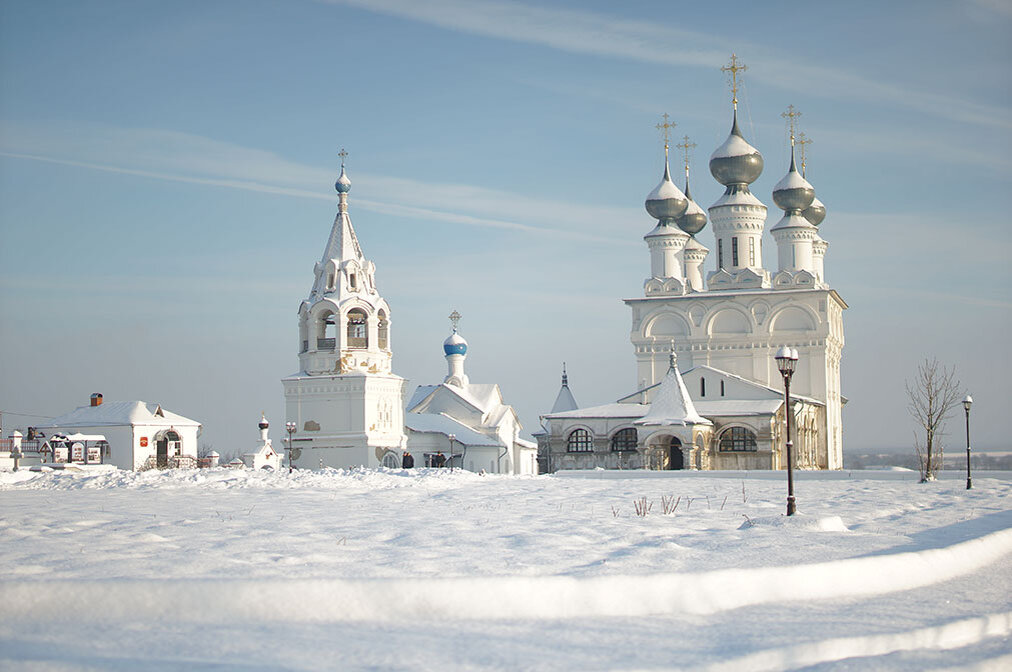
(982,461)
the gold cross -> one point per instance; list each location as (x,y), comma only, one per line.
(734,69)
(686,146)
(666,128)
(803,140)
(791,116)
(342,154)
(455,318)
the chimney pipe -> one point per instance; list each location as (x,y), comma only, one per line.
(96,399)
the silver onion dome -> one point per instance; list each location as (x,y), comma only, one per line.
(793,193)
(694,219)
(736,162)
(666,202)
(814,213)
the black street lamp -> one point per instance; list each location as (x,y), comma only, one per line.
(787,360)
(290,426)
(452,437)
(966,405)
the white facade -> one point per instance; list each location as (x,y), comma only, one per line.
(466,423)
(345,401)
(140,435)
(726,335)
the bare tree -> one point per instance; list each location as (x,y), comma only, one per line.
(933,394)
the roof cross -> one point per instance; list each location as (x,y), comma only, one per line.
(791,115)
(342,154)
(802,141)
(666,129)
(455,318)
(686,148)
(734,68)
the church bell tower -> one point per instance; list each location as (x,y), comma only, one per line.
(345,401)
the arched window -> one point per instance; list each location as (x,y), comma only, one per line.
(737,439)
(580,441)
(624,439)
(383,331)
(358,336)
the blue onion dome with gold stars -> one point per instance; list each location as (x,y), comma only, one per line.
(263,424)
(736,163)
(814,213)
(455,344)
(793,193)
(694,219)
(343,184)
(666,202)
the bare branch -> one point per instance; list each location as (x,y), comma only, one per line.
(932,395)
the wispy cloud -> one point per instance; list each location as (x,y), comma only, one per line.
(190,159)
(585,32)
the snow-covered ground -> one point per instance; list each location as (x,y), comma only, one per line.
(428,569)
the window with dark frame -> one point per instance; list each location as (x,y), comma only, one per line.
(580,441)
(624,439)
(734,251)
(737,439)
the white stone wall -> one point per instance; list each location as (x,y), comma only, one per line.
(352,420)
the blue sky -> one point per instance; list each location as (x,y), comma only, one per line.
(166,175)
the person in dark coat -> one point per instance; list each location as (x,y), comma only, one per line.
(407,461)
(440,460)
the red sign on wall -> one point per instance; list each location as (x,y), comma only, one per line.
(144,442)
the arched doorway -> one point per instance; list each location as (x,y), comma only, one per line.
(166,442)
(675,460)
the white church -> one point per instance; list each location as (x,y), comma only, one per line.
(348,405)
(709,393)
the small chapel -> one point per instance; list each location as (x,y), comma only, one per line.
(709,393)
(468,424)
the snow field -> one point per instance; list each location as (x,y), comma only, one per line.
(535,573)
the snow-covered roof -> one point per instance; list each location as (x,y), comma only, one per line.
(483,397)
(792,180)
(672,405)
(666,190)
(120,413)
(738,198)
(791,220)
(725,408)
(615,410)
(735,145)
(81,437)
(774,392)
(440,423)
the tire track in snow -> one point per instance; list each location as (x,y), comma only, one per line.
(549,597)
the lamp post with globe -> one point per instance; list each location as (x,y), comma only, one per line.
(290,426)
(966,407)
(787,360)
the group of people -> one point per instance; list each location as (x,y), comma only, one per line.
(408,460)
